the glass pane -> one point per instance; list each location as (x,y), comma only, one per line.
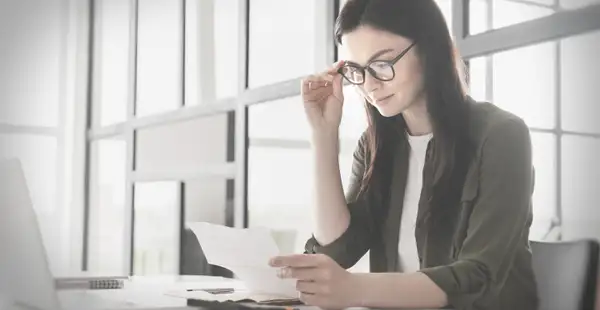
(156,251)
(112,61)
(272,195)
(182,146)
(273,192)
(502,13)
(523,82)
(31,61)
(159,56)
(212,38)
(579,83)
(478,77)
(282,40)
(209,200)
(544,195)
(106,239)
(580,195)
(280,119)
(206,200)
(577,4)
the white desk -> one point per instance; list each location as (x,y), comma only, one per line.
(147,293)
(142,293)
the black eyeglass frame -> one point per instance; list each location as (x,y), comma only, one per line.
(363,70)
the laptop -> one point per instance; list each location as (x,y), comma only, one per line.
(26,281)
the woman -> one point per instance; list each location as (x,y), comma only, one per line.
(441,186)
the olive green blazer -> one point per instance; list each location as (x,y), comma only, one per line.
(477,251)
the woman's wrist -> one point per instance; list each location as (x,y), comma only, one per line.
(359,292)
(326,140)
(325,135)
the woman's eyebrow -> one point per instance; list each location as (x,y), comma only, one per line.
(374,56)
(379,53)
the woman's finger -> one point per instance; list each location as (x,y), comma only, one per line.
(307,287)
(296,260)
(301,273)
(333,70)
(318,95)
(310,299)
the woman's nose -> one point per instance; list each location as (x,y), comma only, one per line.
(371,84)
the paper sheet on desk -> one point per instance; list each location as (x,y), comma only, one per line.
(246,252)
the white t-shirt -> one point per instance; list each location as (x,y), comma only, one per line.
(407,245)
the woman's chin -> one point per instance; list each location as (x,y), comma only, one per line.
(389,111)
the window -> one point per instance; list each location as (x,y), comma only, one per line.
(208,199)
(111,63)
(580,196)
(280,172)
(520,81)
(212,60)
(159,75)
(527,82)
(544,195)
(107,212)
(580,71)
(487,15)
(280,185)
(282,40)
(182,147)
(156,251)
(282,119)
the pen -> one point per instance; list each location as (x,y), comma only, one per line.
(216,305)
(215,291)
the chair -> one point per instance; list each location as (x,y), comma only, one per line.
(193,260)
(566,274)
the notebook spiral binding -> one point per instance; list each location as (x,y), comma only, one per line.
(106,284)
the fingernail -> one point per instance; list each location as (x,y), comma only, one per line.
(282,273)
(273,261)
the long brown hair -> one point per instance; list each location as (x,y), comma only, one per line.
(444,86)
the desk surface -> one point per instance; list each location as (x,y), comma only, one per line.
(141,293)
(146,293)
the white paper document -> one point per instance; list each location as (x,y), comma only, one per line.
(246,252)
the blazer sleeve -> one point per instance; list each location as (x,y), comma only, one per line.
(497,222)
(355,241)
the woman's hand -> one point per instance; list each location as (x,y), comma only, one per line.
(321,281)
(323,99)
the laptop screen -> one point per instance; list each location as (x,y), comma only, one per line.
(25,275)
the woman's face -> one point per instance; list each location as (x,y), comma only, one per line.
(393,97)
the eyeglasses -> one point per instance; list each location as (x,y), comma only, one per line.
(382,70)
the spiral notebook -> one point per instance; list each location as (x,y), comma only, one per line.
(90,282)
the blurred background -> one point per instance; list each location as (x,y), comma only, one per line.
(135,117)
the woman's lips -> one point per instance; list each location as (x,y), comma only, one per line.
(383,100)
